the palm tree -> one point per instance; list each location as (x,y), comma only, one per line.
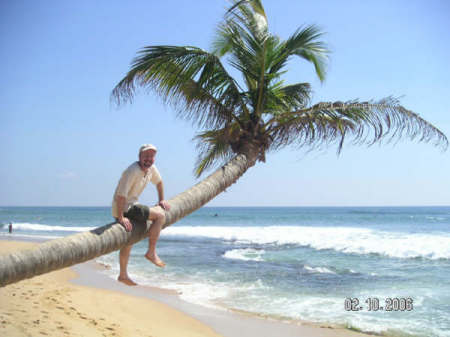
(239,120)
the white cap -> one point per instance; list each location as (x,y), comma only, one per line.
(146,147)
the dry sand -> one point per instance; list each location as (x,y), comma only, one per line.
(49,305)
(53,305)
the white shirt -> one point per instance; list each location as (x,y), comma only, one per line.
(131,185)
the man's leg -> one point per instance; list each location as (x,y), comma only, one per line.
(158,217)
(124,256)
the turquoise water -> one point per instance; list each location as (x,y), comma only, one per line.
(291,263)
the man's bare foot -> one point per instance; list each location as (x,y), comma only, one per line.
(155,260)
(127,281)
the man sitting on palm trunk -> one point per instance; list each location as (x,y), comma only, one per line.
(125,207)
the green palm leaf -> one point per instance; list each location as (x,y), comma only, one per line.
(193,80)
(214,146)
(363,122)
(305,43)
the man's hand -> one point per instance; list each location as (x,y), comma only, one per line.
(125,222)
(164,204)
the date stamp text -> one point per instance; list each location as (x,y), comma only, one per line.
(376,304)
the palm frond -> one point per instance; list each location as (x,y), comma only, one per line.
(310,131)
(243,35)
(213,147)
(305,42)
(222,42)
(244,52)
(363,122)
(256,5)
(296,96)
(280,98)
(191,79)
(251,15)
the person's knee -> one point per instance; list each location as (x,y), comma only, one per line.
(158,215)
(161,215)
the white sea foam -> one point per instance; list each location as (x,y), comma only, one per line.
(342,239)
(320,270)
(22,236)
(25,226)
(331,310)
(215,294)
(201,292)
(246,254)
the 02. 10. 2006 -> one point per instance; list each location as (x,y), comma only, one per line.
(374,304)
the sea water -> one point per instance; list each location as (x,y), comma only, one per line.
(376,269)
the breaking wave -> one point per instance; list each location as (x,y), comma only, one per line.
(25,226)
(341,239)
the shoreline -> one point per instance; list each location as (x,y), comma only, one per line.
(87,280)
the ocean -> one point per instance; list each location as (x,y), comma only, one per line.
(375,269)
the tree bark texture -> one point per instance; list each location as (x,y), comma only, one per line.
(81,247)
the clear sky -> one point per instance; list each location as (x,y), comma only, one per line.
(64,143)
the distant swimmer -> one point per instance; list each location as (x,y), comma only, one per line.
(10,228)
(216,214)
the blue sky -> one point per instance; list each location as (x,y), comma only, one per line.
(64,143)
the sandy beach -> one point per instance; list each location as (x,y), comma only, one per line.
(49,305)
(80,301)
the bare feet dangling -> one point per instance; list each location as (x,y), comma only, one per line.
(127,281)
(155,260)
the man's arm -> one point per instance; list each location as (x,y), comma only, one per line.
(123,220)
(162,202)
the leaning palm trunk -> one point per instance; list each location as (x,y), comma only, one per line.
(70,250)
